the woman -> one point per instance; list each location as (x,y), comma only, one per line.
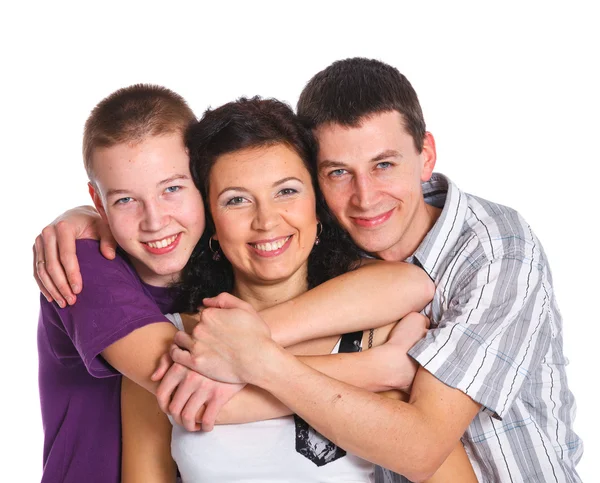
(270,238)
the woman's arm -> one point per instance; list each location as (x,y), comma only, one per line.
(146,450)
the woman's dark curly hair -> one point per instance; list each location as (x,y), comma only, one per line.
(250,123)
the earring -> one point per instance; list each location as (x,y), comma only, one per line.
(319,231)
(216,253)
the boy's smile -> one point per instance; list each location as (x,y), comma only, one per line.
(155,212)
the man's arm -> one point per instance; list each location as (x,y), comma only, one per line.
(504,299)
(368,297)
(55,265)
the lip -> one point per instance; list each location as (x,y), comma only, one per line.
(373,221)
(163,251)
(273,253)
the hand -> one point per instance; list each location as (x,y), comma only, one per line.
(55,266)
(399,367)
(229,344)
(190,397)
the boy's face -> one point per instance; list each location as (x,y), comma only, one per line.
(371,178)
(146,193)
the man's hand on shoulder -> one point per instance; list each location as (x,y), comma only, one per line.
(55,266)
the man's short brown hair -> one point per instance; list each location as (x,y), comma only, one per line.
(130,115)
(350,90)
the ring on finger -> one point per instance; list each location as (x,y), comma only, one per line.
(40,262)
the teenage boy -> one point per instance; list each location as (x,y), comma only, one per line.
(492,369)
(141,185)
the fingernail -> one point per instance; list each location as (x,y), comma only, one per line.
(49,299)
(61,304)
(71,300)
(75,288)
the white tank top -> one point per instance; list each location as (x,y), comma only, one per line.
(285,449)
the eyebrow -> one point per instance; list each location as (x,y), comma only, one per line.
(277,183)
(388,153)
(160,183)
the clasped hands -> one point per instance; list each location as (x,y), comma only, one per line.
(204,370)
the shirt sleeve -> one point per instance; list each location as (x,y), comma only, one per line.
(112,304)
(494,332)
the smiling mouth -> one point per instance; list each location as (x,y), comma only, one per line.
(373,221)
(164,243)
(270,246)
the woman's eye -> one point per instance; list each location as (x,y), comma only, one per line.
(123,201)
(173,189)
(288,191)
(237,200)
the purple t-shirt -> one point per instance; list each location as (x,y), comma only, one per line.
(80,393)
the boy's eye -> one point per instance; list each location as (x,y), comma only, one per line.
(173,189)
(123,201)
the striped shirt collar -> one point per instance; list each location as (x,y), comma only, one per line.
(440,192)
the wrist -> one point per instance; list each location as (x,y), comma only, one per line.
(268,365)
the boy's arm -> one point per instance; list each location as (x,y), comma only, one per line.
(385,367)
(146,446)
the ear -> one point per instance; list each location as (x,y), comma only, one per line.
(429,156)
(97,201)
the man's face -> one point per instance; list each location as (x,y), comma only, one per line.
(371,178)
(146,193)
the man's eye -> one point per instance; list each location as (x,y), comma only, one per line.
(384,165)
(337,172)
(173,189)
(123,201)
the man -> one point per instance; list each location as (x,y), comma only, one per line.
(492,369)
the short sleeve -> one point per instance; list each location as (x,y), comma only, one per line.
(112,304)
(494,332)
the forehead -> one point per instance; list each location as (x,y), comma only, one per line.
(257,167)
(375,134)
(142,162)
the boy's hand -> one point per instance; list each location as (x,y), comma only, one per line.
(229,344)
(392,356)
(193,400)
(55,266)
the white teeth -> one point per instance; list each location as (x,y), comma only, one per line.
(270,246)
(162,243)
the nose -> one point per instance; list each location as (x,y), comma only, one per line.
(154,217)
(365,194)
(266,217)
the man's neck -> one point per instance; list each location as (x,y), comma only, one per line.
(420,225)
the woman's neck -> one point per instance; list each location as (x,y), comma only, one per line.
(262,295)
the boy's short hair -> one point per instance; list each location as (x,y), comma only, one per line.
(351,89)
(130,115)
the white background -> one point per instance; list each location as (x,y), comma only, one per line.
(509,90)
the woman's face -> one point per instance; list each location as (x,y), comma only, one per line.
(263,205)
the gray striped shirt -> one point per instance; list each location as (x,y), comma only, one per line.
(496,334)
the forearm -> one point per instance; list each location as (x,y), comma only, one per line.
(137,354)
(412,447)
(255,404)
(368,297)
